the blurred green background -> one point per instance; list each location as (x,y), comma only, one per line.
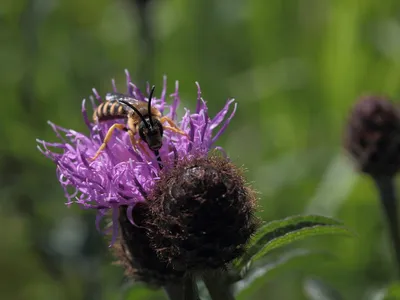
(295,68)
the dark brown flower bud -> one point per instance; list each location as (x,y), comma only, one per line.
(202,213)
(373,136)
(134,253)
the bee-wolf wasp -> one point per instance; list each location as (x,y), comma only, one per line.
(141,117)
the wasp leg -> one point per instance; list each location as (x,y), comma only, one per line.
(136,143)
(143,148)
(177,130)
(172,126)
(107,139)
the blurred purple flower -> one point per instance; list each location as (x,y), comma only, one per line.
(121,176)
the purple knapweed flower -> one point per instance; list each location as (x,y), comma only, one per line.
(121,176)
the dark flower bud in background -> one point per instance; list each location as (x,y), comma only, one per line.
(373,136)
(202,212)
(133,251)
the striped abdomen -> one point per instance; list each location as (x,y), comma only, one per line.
(109,110)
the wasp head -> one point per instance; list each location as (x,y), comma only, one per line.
(151,132)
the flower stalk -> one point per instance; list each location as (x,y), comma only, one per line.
(388,199)
(186,290)
(218,287)
(373,140)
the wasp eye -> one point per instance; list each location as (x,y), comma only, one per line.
(143,130)
(158,126)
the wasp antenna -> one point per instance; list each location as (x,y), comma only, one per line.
(136,111)
(149,108)
(160,164)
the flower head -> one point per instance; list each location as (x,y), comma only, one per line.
(135,253)
(372,136)
(121,176)
(201,214)
(132,186)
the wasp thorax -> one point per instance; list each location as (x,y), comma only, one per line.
(151,133)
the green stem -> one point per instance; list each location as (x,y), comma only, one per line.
(173,291)
(186,290)
(218,287)
(387,193)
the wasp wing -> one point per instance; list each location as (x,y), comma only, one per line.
(117,97)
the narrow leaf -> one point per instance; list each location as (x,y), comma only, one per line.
(316,289)
(283,232)
(203,292)
(271,229)
(289,260)
(300,235)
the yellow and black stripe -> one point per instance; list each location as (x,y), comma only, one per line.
(110,110)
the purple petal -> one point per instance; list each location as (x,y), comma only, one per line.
(220,149)
(205,121)
(175,105)
(191,135)
(148,88)
(199,99)
(115,213)
(55,129)
(221,115)
(99,218)
(56,145)
(96,94)
(129,83)
(175,152)
(114,87)
(163,95)
(85,117)
(221,131)
(137,93)
(140,187)
(129,214)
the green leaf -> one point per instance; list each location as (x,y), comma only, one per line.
(269,268)
(280,233)
(316,289)
(271,229)
(299,235)
(203,292)
(133,290)
(393,292)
